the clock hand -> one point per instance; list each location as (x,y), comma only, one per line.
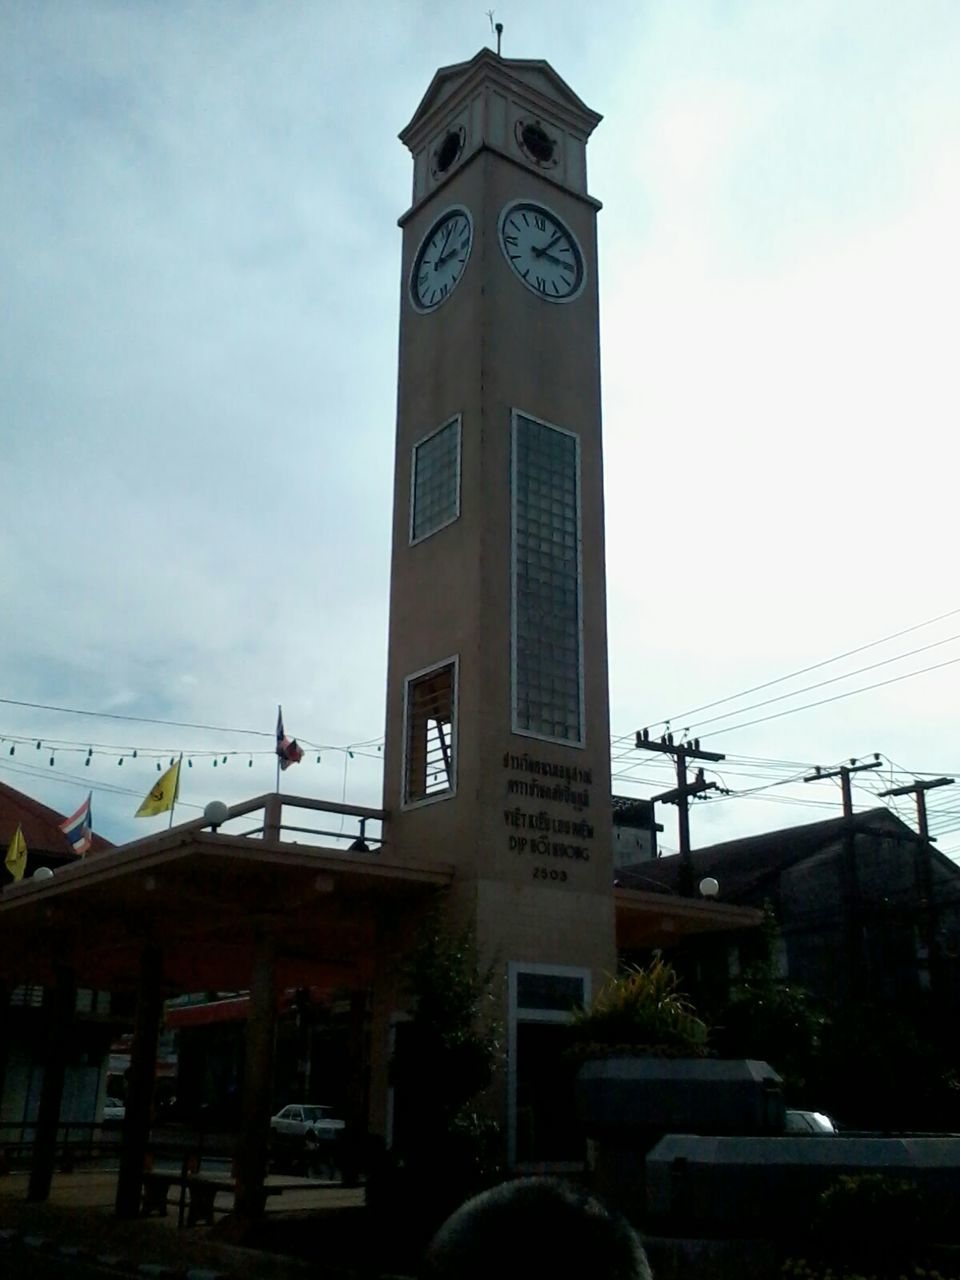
(445,257)
(539,253)
(446,240)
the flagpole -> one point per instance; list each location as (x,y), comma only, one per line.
(279,718)
(176,791)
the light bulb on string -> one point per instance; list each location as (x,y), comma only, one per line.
(159,766)
(39,745)
(13,751)
(120,761)
(134,753)
(224,760)
(51,762)
(189,764)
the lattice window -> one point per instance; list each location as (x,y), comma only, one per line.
(547,632)
(435,500)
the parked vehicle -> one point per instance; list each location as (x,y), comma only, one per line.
(113,1110)
(807,1122)
(306,1121)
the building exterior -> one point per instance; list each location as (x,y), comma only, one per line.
(851,898)
(497,756)
(24,1009)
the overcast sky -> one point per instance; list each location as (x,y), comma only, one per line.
(198,314)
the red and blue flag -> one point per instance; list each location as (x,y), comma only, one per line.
(287,750)
(78,828)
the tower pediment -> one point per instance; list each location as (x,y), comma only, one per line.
(491,101)
(534,76)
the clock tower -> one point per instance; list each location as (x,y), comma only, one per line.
(497,752)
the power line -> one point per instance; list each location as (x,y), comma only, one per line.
(821,684)
(179,724)
(115,715)
(707,706)
(836,698)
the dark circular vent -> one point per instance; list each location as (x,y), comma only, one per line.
(448,150)
(538,143)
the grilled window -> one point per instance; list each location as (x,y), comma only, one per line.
(431,771)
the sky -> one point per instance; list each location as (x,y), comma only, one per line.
(200,285)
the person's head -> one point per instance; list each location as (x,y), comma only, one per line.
(535,1227)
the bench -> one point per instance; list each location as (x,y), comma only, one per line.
(203,1190)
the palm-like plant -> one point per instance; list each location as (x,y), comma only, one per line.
(641,1011)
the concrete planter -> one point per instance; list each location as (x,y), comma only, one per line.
(627,1104)
(631,1101)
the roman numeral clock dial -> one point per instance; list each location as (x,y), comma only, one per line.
(542,251)
(441,259)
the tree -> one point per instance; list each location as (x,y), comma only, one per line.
(444,1059)
(774,1021)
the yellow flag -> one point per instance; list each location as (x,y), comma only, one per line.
(16,860)
(163,796)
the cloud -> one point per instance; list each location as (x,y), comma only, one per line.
(198,363)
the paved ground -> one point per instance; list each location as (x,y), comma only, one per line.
(75,1234)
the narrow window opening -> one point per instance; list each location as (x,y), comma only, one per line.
(431,740)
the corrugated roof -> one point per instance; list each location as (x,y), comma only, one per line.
(745,867)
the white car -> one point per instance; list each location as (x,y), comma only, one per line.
(308,1121)
(808,1122)
(113,1109)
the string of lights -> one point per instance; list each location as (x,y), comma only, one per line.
(21,753)
(120,752)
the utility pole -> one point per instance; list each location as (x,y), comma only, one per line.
(850,878)
(919,789)
(924,866)
(843,772)
(682,752)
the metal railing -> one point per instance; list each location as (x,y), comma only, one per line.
(273,827)
(78,1141)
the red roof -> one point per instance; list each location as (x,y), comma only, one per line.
(41,827)
(201,1015)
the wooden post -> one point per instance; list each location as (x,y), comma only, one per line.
(251,1161)
(143,1071)
(60,1003)
(272,812)
(355,1146)
(5,992)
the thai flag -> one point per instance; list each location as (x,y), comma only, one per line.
(79,828)
(288,751)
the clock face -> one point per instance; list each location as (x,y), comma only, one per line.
(441,259)
(542,251)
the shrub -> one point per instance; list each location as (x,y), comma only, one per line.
(641,1011)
